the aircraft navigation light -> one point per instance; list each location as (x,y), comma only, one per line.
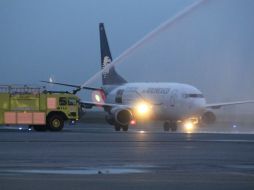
(133,122)
(97,98)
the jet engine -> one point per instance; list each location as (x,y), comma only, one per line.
(208,117)
(121,116)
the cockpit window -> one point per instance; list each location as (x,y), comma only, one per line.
(193,96)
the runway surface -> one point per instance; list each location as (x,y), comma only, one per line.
(95,157)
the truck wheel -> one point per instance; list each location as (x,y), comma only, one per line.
(166,126)
(55,123)
(40,127)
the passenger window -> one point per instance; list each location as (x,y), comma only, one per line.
(62,101)
(72,101)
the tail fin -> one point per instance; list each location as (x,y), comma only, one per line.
(109,77)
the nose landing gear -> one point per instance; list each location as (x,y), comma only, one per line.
(170,126)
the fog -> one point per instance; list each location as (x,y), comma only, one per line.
(211,48)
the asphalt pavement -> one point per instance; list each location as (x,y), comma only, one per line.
(92,156)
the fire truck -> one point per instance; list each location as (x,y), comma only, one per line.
(36,107)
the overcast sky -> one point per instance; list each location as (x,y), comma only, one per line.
(212,48)
(59,37)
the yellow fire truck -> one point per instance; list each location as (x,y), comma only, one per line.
(36,107)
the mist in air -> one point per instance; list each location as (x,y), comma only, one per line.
(211,48)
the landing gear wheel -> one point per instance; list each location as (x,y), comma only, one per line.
(166,126)
(40,128)
(125,128)
(55,123)
(117,127)
(173,126)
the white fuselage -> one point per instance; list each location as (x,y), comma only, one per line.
(170,101)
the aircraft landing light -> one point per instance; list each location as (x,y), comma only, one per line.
(189,127)
(143,108)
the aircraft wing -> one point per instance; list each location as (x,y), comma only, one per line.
(88,104)
(223,104)
(72,85)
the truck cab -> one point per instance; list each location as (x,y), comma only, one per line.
(35,106)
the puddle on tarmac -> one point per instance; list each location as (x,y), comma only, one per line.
(85,171)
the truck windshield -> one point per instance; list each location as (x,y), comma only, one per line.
(72,101)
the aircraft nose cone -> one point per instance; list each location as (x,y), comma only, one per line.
(199,105)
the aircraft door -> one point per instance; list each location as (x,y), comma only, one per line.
(119,96)
(173,97)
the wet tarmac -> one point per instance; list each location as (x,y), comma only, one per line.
(95,157)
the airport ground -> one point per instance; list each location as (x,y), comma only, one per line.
(94,156)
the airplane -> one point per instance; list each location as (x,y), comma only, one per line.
(125,103)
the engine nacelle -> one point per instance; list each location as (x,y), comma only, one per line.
(208,117)
(121,116)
